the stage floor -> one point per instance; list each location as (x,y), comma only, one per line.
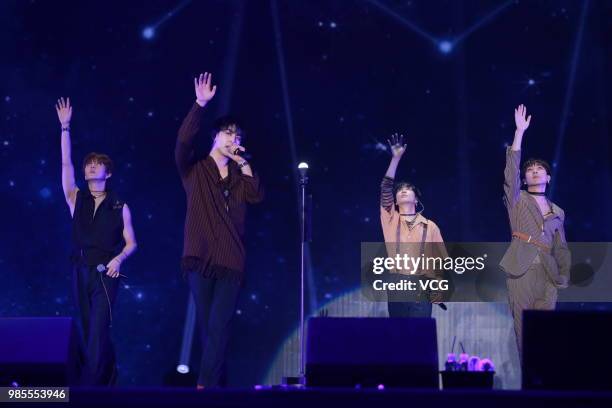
(177,397)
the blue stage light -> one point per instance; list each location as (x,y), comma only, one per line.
(148,33)
(45,192)
(445,46)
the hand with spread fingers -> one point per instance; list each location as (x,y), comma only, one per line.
(204,89)
(396,145)
(520,113)
(64,111)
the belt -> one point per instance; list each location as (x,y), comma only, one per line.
(527,238)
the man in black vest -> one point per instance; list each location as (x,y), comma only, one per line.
(103,238)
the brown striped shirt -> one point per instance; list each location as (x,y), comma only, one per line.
(214,223)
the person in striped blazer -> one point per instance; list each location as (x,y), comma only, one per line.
(537,263)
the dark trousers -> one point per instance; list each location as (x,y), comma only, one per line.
(95,293)
(407,303)
(215,301)
(409,309)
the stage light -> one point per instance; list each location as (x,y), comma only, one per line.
(148,33)
(182,368)
(45,192)
(303,168)
(445,46)
(531,82)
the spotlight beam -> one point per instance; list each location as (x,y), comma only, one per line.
(404,21)
(486,19)
(149,31)
(569,91)
(444,46)
(278,41)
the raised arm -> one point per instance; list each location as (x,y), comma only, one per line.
(397,148)
(512,172)
(183,151)
(64,114)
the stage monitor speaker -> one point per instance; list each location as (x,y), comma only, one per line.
(567,350)
(38,351)
(367,352)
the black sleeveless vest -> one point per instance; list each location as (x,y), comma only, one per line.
(97,239)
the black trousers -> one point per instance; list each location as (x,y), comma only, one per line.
(94,294)
(215,301)
(407,303)
(409,309)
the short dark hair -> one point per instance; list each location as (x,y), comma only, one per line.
(227,122)
(99,158)
(534,162)
(405,184)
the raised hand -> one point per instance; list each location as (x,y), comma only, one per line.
(397,146)
(203,89)
(519,118)
(64,111)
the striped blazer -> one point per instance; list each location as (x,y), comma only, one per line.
(525,217)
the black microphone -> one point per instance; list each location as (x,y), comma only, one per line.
(237,152)
(442,306)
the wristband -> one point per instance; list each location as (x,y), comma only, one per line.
(243,163)
(65,128)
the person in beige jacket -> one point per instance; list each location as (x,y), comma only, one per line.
(537,263)
(406,231)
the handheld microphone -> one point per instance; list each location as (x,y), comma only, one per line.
(101,268)
(237,152)
(442,306)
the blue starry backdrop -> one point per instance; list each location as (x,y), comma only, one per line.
(320,81)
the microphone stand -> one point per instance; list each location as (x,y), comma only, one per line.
(303,182)
(300,380)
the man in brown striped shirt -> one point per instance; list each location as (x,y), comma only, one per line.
(218,188)
(406,231)
(537,263)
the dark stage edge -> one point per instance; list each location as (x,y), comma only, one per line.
(318,398)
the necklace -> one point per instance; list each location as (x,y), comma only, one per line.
(98,194)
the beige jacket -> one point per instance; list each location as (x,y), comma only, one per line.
(391,220)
